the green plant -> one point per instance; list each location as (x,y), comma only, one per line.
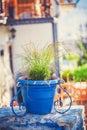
(80,73)
(37,62)
(71,56)
(83,59)
(67,73)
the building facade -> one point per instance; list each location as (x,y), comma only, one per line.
(22,22)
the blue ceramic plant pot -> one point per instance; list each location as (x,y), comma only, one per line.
(38,95)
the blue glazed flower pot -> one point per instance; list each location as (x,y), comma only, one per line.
(38,95)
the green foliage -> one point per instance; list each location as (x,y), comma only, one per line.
(80,73)
(37,62)
(70,56)
(83,59)
(67,73)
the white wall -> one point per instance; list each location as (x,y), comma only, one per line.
(40,34)
(3,35)
(6,77)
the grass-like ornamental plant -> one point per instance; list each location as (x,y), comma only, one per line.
(37,62)
(35,87)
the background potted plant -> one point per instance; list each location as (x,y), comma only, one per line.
(39,88)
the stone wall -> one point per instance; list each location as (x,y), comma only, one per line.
(71,120)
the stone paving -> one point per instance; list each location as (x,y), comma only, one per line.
(71,120)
